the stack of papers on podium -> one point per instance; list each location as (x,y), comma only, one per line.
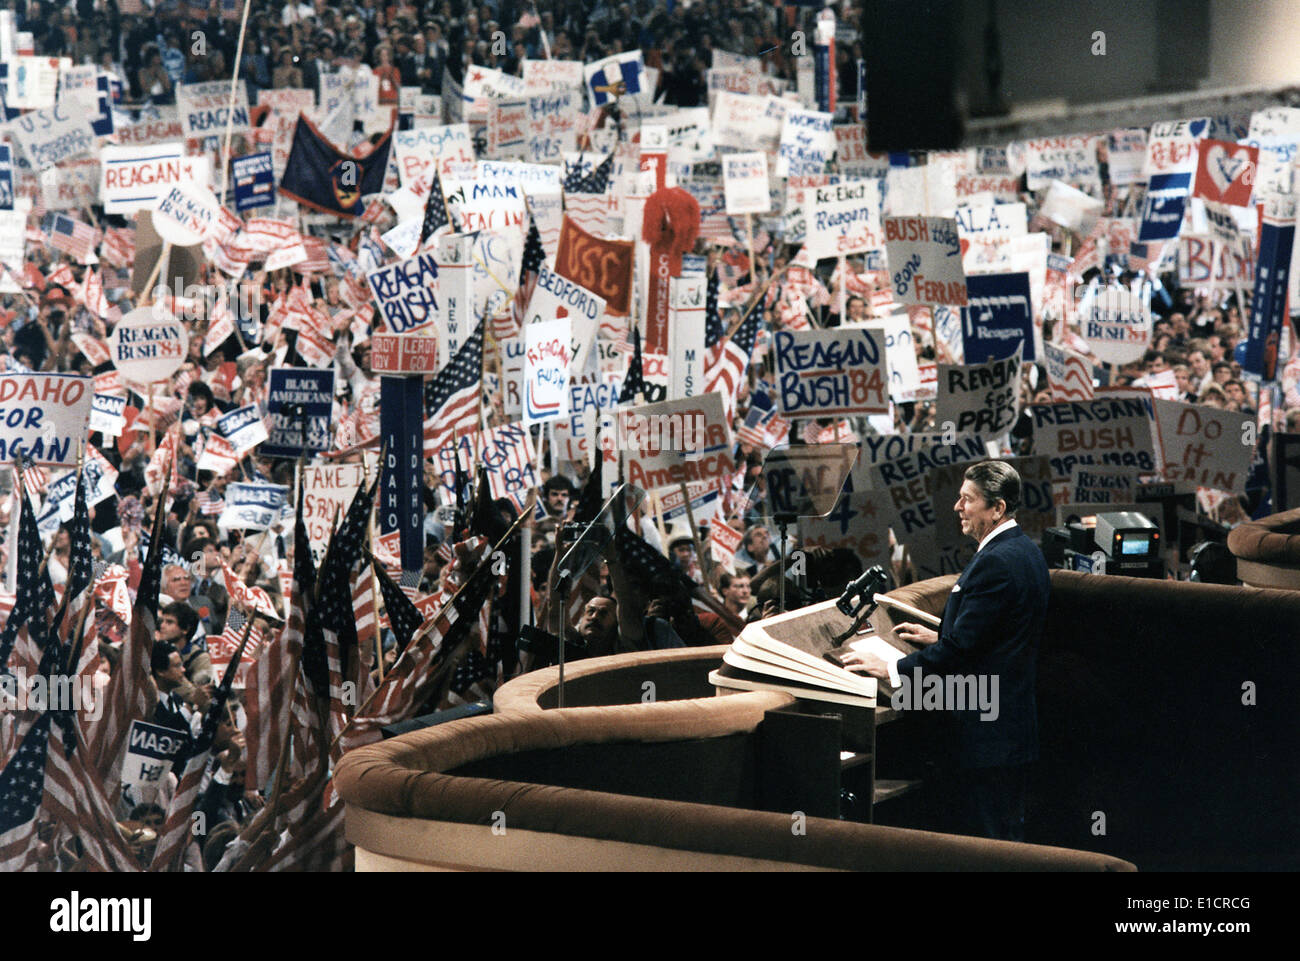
(786,653)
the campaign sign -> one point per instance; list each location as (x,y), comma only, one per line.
(1114,431)
(1225,172)
(1205,446)
(48,136)
(401,503)
(744,177)
(403,354)
(254,180)
(589,398)
(998,316)
(1162,211)
(187,214)
(925,261)
(205,108)
(299,401)
(1116,323)
(405,293)
(807,143)
(151,749)
(327,493)
(705,498)
(674,441)
(1094,487)
(908,482)
(558,298)
(253,507)
(548,355)
(1070,159)
(829,373)
(243,428)
(845,219)
(61,494)
(859,522)
(980,398)
(1268,306)
(1171,148)
(107,414)
(147,345)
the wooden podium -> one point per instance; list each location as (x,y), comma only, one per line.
(819,755)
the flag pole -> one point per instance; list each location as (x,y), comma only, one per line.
(706,568)
(528,511)
(230,104)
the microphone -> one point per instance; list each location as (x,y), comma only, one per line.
(860,593)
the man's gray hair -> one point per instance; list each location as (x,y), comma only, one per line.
(996,480)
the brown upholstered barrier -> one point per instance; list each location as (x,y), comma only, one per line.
(429,800)
(1168,707)
(675,674)
(1268,551)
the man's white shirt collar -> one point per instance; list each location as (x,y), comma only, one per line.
(1007,524)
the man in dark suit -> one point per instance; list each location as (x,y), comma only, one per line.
(991,629)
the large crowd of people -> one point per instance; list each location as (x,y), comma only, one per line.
(691,600)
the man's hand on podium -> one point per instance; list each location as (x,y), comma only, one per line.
(861,662)
(916,634)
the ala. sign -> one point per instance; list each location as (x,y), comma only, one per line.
(147,345)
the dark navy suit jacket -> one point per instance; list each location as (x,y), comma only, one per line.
(992,626)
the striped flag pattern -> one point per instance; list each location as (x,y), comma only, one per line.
(176,829)
(423,663)
(726,362)
(130,693)
(586,192)
(69,235)
(274,693)
(451,399)
(1069,375)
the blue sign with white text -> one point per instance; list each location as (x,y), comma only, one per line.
(999,316)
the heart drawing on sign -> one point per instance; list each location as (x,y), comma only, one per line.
(1224,169)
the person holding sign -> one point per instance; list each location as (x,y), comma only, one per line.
(991,628)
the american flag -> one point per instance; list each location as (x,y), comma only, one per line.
(1069,375)
(222,648)
(403,617)
(634,383)
(714,327)
(69,235)
(586,187)
(176,829)
(35,594)
(425,661)
(451,399)
(61,276)
(273,696)
(131,694)
(92,294)
(210,502)
(22,787)
(435,210)
(363,608)
(726,360)
(118,247)
(318,260)
(338,621)
(534,257)
(77,595)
